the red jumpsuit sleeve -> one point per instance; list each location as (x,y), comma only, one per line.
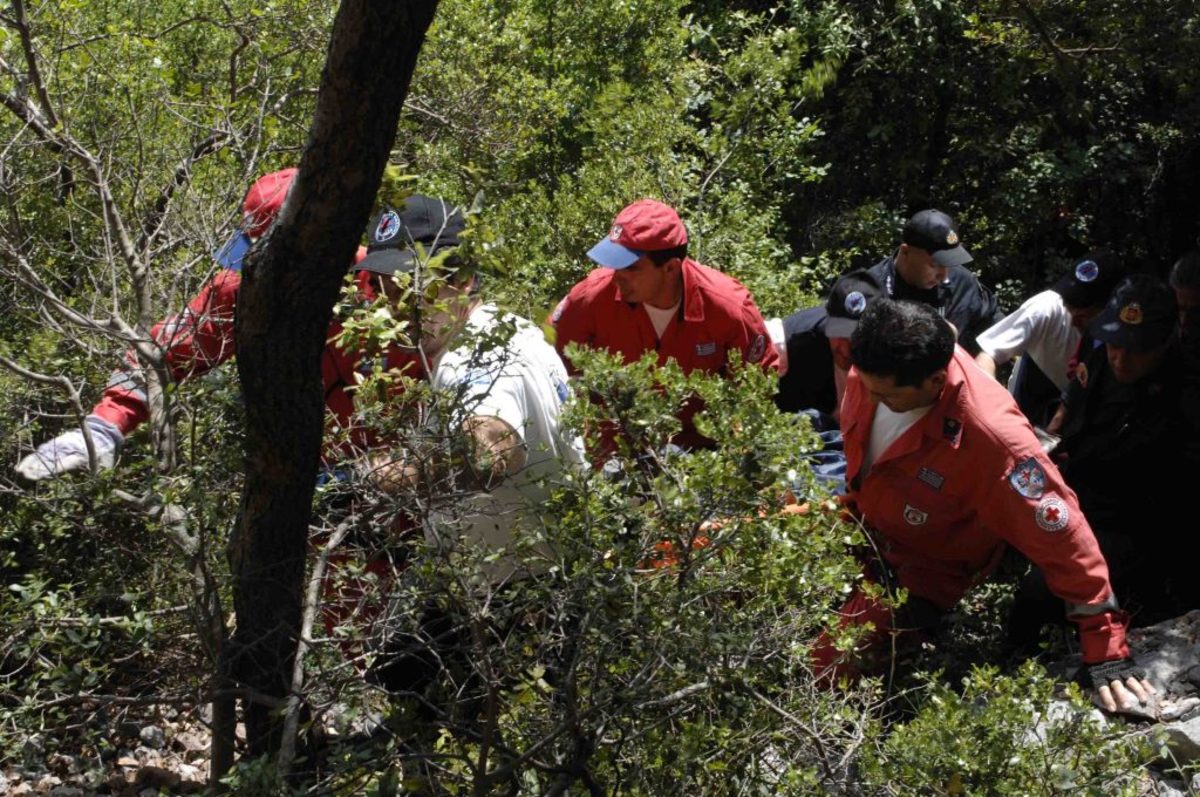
(194,342)
(1042,519)
(573,322)
(751,337)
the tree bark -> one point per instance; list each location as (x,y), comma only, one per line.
(288,291)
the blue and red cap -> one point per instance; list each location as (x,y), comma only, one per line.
(261,207)
(645,226)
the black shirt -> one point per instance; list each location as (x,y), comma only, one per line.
(808,383)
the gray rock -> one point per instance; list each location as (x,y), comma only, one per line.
(1060,712)
(3,785)
(66,791)
(152,736)
(33,751)
(47,783)
(1184,738)
(1196,783)
(1168,652)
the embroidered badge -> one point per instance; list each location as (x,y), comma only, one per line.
(558,311)
(388,226)
(951,238)
(914,516)
(757,349)
(1081,373)
(564,392)
(1028,479)
(1052,514)
(1131,314)
(951,429)
(932,478)
(706,349)
(615,233)
(855,303)
(1087,271)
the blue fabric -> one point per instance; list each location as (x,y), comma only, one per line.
(828,464)
(231,254)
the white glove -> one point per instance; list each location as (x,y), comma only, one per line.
(68,451)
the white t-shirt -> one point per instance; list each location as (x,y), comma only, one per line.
(660,317)
(521,380)
(1039,329)
(886,428)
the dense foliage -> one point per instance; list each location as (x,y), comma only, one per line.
(793,136)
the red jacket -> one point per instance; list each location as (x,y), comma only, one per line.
(716,315)
(967,478)
(202,337)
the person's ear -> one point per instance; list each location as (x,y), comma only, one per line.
(938,380)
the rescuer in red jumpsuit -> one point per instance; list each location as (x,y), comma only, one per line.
(944,471)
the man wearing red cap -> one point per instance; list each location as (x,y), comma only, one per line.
(194,342)
(649,295)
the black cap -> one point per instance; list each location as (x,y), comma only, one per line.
(849,298)
(1091,281)
(936,233)
(1140,314)
(393,235)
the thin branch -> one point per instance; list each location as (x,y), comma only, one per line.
(21,23)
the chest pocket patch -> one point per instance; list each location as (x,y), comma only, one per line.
(706,349)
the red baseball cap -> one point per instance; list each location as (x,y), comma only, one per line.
(264,199)
(645,226)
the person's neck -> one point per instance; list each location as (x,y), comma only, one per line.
(669,297)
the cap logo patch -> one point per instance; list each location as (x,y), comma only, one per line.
(1028,479)
(615,233)
(1052,514)
(388,226)
(706,349)
(1131,314)
(914,516)
(1087,271)
(952,238)
(757,349)
(855,303)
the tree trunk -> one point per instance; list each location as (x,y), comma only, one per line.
(284,309)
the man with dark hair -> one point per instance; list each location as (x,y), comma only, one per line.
(928,267)
(944,471)
(1185,281)
(1047,331)
(648,295)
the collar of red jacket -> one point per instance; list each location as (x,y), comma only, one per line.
(944,421)
(693,297)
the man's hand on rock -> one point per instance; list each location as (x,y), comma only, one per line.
(1121,688)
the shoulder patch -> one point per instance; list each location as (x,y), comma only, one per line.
(914,516)
(757,349)
(1081,373)
(1028,479)
(1052,514)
